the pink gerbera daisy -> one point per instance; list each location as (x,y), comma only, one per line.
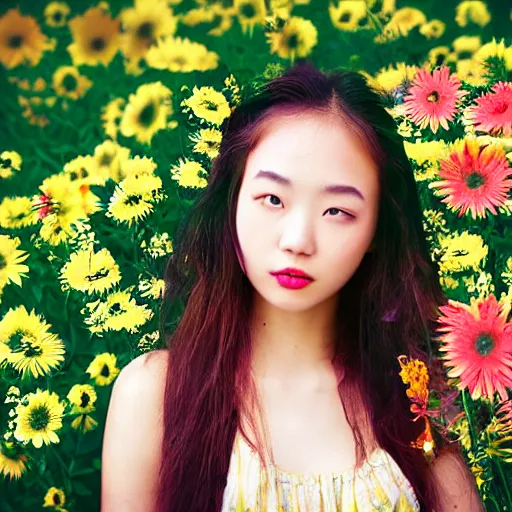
(475,178)
(478,346)
(493,111)
(432,98)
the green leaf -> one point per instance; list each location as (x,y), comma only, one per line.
(81,489)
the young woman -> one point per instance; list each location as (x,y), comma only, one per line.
(305,274)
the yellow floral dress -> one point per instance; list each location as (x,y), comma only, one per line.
(378,485)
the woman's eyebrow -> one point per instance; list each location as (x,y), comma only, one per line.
(330,189)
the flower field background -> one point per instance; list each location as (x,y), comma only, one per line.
(110,118)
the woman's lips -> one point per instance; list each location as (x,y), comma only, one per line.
(291,282)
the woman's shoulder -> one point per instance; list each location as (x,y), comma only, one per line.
(133,433)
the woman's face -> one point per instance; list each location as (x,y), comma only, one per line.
(293,222)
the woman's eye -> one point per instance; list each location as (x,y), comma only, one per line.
(344,214)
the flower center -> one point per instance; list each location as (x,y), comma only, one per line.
(344,18)
(500,108)
(433,97)
(69,83)
(39,418)
(145,30)
(475,180)
(57,17)
(115,308)
(3,262)
(105,372)
(15,41)
(98,44)
(56,499)
(248,11)
(293,41)
(84,400)
(147,114)
(484,345)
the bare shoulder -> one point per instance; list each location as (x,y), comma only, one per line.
(455,483)
(133,435)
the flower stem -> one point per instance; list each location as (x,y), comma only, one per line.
(472,435)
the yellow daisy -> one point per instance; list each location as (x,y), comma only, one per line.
(465,46)
(144,24)
(250,13)
(348,16)
(111,115)
(207,141)
(404,20)
(56,14)
(38,356)
(109,157)
(146,112)
(461,252)
(434,29)
(82,397)
(439,55)
(472,11)
(213,13)
(208,104)
(95,37)
(103,369)
(38,417)
(395,75)
(117,311)
(84,170)
(134,198)
(21,40)
(11,269)
(158,245)
(54,498)
(16,212)
(10,161)
(12,460)
(188,174)
(296,39)
(179,54)
(153,288)
(138,166)
(90,272)
(69,83)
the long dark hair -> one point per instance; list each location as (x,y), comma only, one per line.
(388,308)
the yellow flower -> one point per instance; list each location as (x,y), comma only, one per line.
(148,341)
(56,14)
(117,311)
(426,151)
(109,157)
(111,115)
(207,14)
(54,498)
(62,205)
(146,112)
(16,212)
(134,198)
(187,174)
(394,75)
(404,20)
(207,141)
(90,272)
(9,161)
(461,251)
(82,397)
(84,170)
(12,460)
(465,46)
(472,11)
(21,40)
(69,83)
(159,245)
(153,287)
(208,104)
(103,369)
(348,15)
(39,416)
(95,38)
(296,39)
(11,269)
(439,55)
(414,374)
(434,29)
(138,166)
(250,13)
(179,54)
(143,25)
